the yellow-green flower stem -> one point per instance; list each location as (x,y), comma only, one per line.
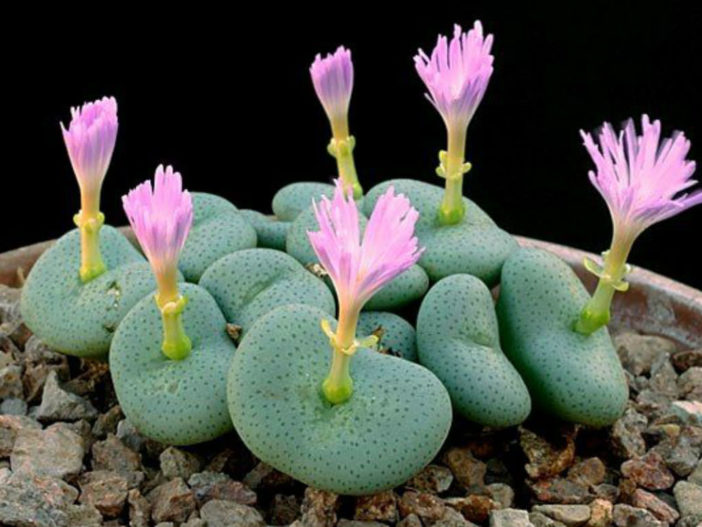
(341,148)
(452,168)
(338,386)
(176,344)
(596,312)
(89,222)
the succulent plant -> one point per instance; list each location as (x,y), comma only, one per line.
(474,246)
(169,352)
(331,432)
(218,229)
(576,377)
(293,199)
(396,336)
(458,339)
(247,284)
(81,288)
(271,233)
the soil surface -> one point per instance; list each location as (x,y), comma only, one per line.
(68,457)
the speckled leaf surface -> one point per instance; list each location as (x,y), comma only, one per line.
(174,402)
(270,232)
(393,425)
(294,198)
(398,335)
(576,377)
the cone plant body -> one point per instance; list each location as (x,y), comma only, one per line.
(90,141)
(456,76)
(643,180)
(359,268)
(161,217)
(332,77)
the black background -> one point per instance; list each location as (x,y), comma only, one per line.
(226,98)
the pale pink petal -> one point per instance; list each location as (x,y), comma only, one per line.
(332,77)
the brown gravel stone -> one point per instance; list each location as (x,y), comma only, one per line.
(626,434)
(569,515)
(11,382)
(475,508)
(57,451)
(628,516)
(547,457)
(469,471)
(638,353)
(177,463)
(452,518)
(649,472)
(606,491)
(600,513)
(434,478)
(559,490)
(107,423)
(411,520)
(319,508)
(220,513)
(264,476)
(139,509)
(690,384)
(112,454)
(427,506)
(380,507)
(664,379)
(59,405)
(216,485)
(105,490)
(10,426)
(502,494)
(659,508)
(171,501)
(588,472)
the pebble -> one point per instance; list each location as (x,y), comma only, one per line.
(547,458)
(56,451)
(60,405)
(569,515)
(35,501)
(434,478)
(220,513)
(696,475)
(381,507)
(452,518)
(217,485)
(177,463)
(343,522)
(626,434)
(541,520)
(319,508)
(652,404)
(559,490)
(600,513)
(105,490)
(588,472)
(690,384)
(107,423)
(112,454)
(689,498)
(638,353)
(10,426)
(13,406)
(682,453)
(664,379)
(502,494)
(427,506)
(659,508)
(606,491)
(171,501)
(139,509)
(411,520)
(11,382)
(475,508)
(688,411)
(509,518)
(468,471)
(648,471)
(264,476)
(628,516)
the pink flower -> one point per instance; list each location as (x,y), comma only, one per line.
(161,218)
(641,179)
(358,268)
(332,77)
(457,74)
(90,140)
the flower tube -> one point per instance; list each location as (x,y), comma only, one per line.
(359,268)
(161,217)
(456,76)
(90,141)
(332,77)
(643,181)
